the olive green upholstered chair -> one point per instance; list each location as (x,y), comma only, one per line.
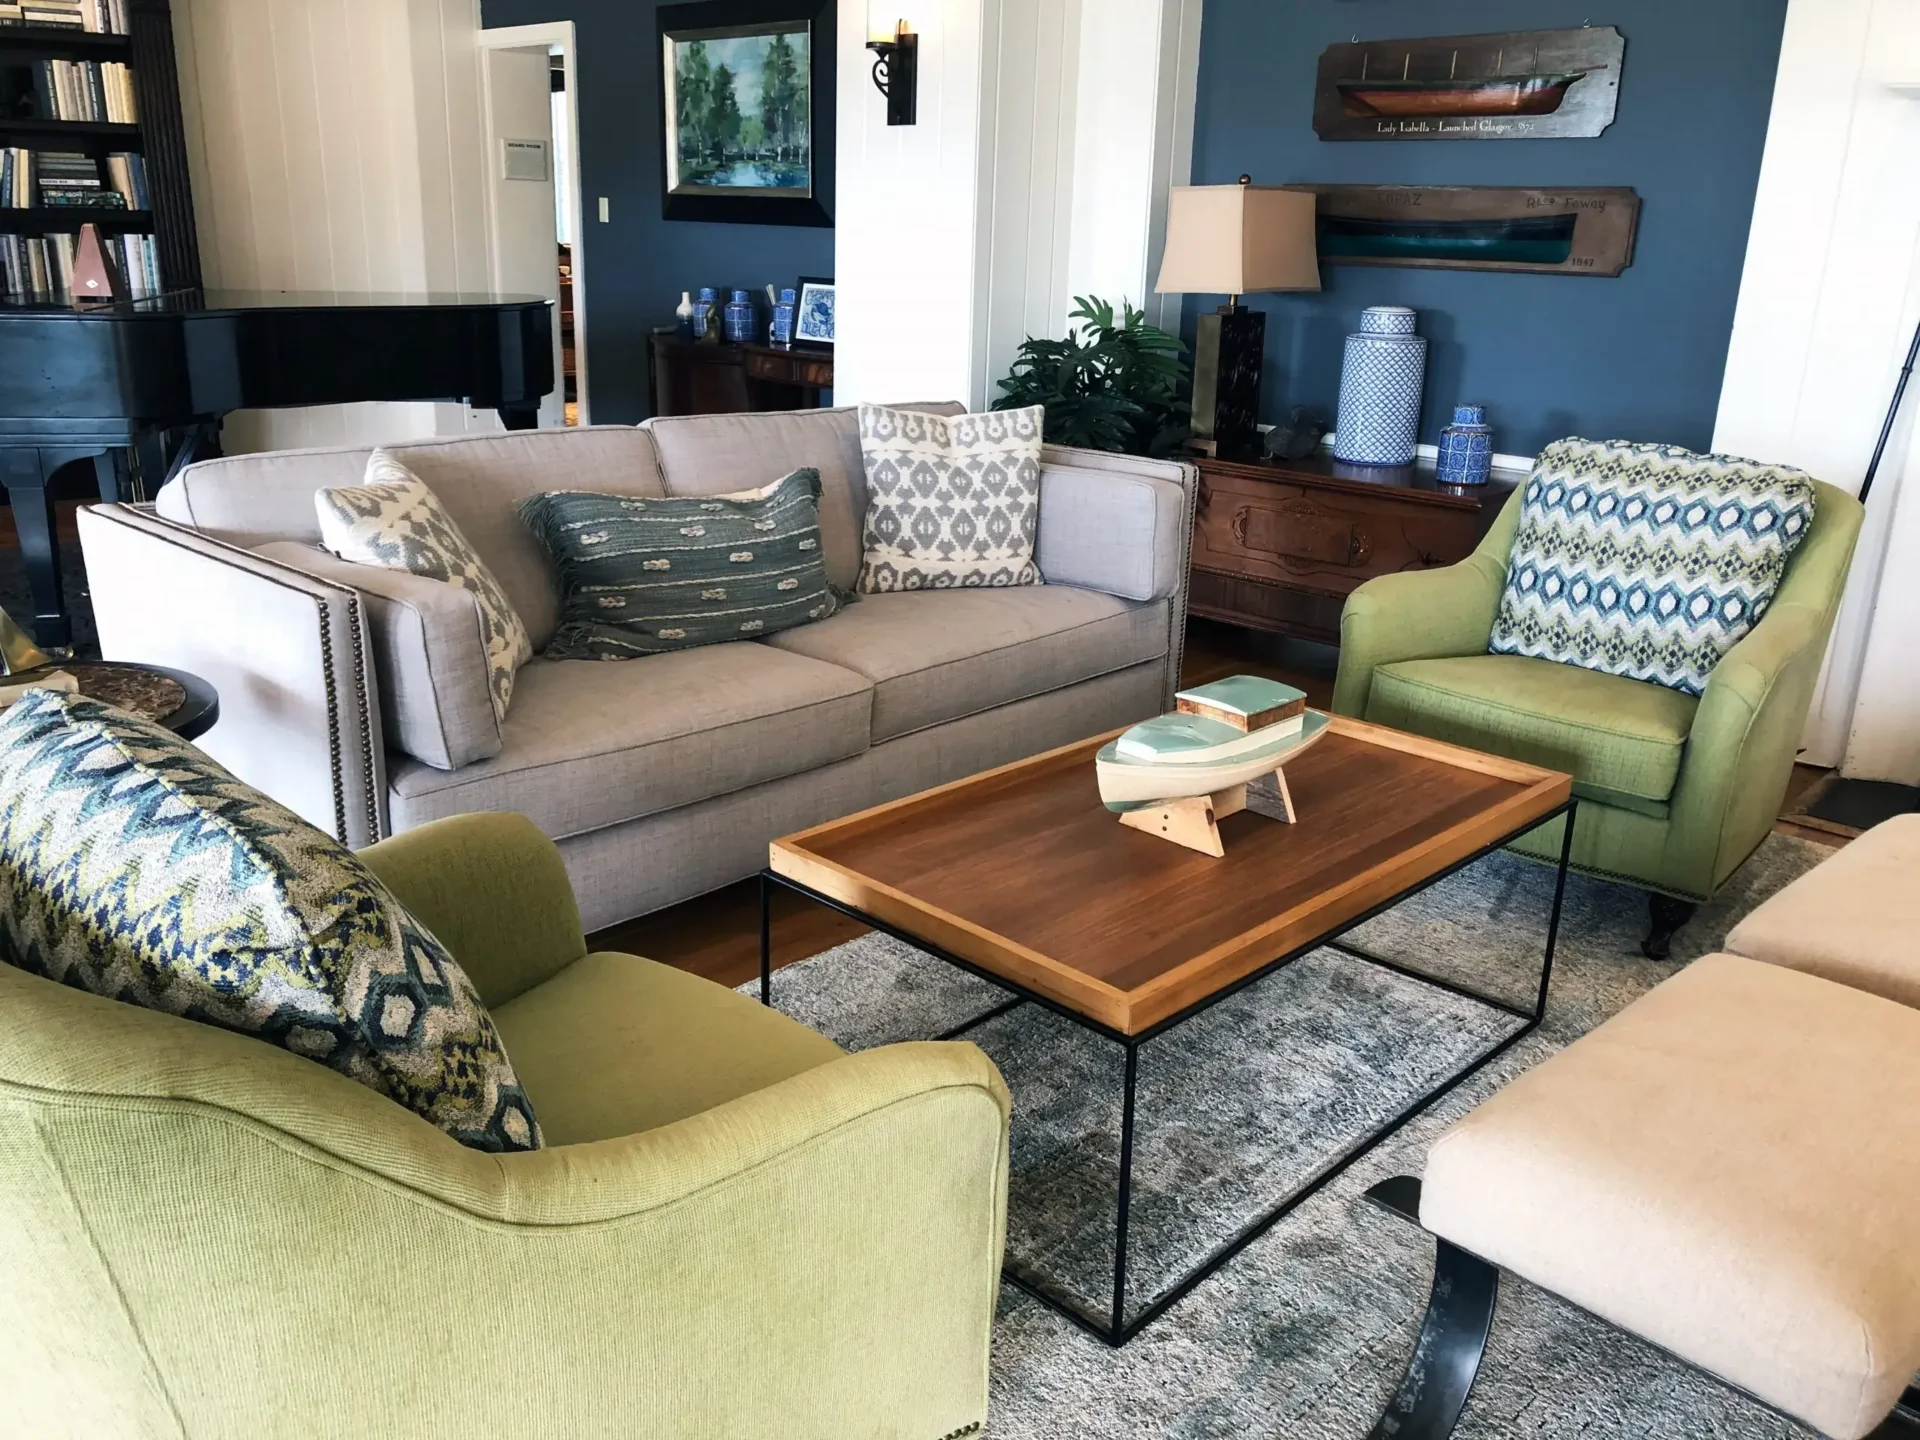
(735,1229)
(1675,791)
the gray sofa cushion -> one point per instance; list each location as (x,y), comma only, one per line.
(429,655)
(715,454)
(252,499)
(936,655)
(590,743)
(1124,534)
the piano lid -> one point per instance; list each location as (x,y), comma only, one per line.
(230,302)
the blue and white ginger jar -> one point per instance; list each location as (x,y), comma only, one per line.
(1466,448)
(1380,384)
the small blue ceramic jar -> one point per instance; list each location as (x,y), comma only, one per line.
(739,318)
(781,330)
(1466,448)
(703,308)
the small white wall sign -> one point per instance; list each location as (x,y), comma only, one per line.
(525,160)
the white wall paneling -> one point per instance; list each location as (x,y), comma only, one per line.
(337,147)
(1049,133)
(1828,301)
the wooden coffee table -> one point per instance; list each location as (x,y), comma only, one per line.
(1021,876)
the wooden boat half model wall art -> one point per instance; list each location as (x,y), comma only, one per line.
(1517,85)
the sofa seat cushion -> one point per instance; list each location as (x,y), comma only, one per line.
(935,656)
(1852,918)
(1621,740)
(614,1045)
(1728,1168)
(593,743)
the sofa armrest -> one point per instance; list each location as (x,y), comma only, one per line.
(494,891)
(1102,529)
(288,653)
(1415,615)
(430,649)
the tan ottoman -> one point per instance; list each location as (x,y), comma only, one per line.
(1730,1167)
(1854,918)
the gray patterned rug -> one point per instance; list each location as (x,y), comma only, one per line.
(1304,1334)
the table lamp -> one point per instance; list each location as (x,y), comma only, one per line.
(1235,240)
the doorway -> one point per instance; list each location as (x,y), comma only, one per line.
(530,86)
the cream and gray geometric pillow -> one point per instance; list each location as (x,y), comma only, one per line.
(394,521)
(951,503)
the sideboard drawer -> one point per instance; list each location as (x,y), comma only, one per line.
(1299,531)
(1322,542)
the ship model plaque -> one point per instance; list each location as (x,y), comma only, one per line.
(1517,85)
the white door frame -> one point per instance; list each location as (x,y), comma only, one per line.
(558,35)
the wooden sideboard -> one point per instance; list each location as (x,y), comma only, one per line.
(1279,544)
(691,378)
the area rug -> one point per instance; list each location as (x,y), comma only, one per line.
(1305,1333)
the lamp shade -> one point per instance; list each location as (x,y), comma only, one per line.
(1239,239)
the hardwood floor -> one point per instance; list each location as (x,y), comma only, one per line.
(718,935)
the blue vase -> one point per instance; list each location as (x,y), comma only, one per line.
(1466,448)
(739,318)
(780,332)
(683,316)
(703,309)
(1380,384)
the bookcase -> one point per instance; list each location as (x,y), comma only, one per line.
(157,136)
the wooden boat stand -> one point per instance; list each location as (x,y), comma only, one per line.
(1195,822)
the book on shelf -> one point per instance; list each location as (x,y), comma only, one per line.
(40,267)
(55,178)
(93,90)
(99,17)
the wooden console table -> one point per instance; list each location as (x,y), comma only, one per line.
(1280,544)
(690,378)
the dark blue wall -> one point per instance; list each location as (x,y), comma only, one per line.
(1638,357)
(638,263)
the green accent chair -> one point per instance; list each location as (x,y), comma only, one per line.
(1675,791)
(735,1229)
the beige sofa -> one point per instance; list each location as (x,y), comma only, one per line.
(356,696)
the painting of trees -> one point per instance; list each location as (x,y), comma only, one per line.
(742,111)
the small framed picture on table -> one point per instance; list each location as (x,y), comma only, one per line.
(813,325)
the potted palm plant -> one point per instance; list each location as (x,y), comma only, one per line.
(1114,383)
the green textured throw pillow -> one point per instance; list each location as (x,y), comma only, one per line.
(641,576)
(133,866)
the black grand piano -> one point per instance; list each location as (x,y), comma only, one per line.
(141,386)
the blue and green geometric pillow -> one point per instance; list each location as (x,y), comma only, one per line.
(642,575)
(1647,561)
(133,866)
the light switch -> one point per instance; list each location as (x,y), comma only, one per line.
(604,210)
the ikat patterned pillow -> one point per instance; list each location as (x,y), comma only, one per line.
(640,575)
(1647,561)
(952,502)
(133,866)
(394,521)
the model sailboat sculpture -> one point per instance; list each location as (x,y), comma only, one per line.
(1179,775)
(1402,97)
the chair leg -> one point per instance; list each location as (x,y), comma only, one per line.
(1447,1356)
(1665,915)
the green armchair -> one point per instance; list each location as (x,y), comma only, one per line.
(735,1229)
(1675,792)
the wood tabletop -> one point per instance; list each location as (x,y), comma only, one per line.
(1024,873)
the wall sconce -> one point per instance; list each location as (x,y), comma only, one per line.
(896,74)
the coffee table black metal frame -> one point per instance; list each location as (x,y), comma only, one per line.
(1115,1328)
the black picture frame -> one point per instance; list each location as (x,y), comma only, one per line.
(815,210)
(800,297)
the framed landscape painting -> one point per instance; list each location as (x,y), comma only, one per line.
(747,111)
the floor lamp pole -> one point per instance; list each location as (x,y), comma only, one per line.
(1893,413)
